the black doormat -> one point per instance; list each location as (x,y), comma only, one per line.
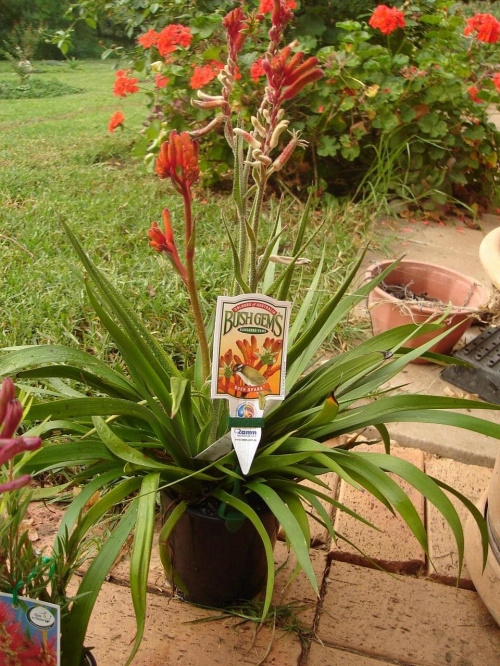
(483,377)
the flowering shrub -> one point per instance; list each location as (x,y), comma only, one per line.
(403,104)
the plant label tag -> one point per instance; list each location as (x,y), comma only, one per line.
(248,365)
(31,630)
(249,350)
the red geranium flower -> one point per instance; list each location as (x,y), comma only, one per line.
(256,70)
(486,26)
(148,39)
(496,81)
(172,36)
(387,19)
(204,74)
(124,85)
(473,91)
(161,81)
(115,121)
(267,5)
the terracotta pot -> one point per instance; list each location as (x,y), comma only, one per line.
(437,282)
(215,566)
(487,581)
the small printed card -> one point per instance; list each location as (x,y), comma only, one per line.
(30,630)
(249,364)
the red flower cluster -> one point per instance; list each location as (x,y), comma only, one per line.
(178,160)
(473,91)
(387,19)
(172,36)
(148,39)
(115,121)
(161,81)
(267,5)
(256,70)
(288,75)
(204,74)
(124,85)
(496,81)
(486,26)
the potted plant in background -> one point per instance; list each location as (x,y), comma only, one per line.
(417,292)
(138,428)
(44,576)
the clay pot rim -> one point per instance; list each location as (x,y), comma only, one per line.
(374,269)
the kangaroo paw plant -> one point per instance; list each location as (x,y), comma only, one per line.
(138,427)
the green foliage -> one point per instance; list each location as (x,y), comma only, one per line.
(145,442)
(380,92)
(36,88)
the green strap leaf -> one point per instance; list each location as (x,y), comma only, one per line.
(166,531)
(141,554)
(290,526)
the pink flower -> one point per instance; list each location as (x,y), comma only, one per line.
(387,19)
(267,5)
(496,81)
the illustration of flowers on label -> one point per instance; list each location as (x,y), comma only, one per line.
(249,364)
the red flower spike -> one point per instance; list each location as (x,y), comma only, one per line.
(298,71)
(178,160)
(164,242)
(12,419)
(310,77)
(7,394)
(235,23)
(387,19)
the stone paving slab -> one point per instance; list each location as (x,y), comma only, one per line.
(406,620)
(172,639)
(394,548)
(447,441)
(472,481)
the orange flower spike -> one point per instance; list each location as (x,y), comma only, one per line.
(241,347)
(297,72)
(304,80)
(295,61)
(178,160)
(164,242)
(253,340)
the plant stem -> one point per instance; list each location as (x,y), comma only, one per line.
(255,226)
(190,238)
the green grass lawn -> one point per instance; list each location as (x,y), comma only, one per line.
(59,162)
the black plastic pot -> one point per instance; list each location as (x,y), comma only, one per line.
(88,659)
(217,567)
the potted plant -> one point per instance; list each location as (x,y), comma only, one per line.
(417,292)
(45,577)
(139,427)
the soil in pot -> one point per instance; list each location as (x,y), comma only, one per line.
(217,567)
(418,292)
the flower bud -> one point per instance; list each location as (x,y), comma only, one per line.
(258,126)
(247,137)
(13,417)
(278,130)
(7,394)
